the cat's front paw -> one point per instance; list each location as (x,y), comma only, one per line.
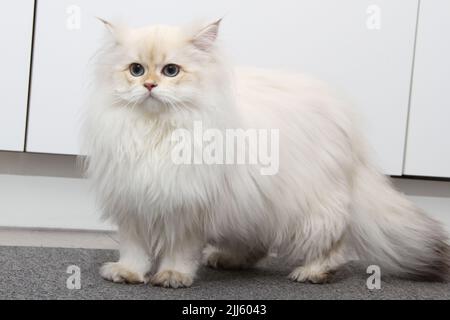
(119,273)
(172,279)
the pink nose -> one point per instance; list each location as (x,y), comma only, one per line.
(150,86)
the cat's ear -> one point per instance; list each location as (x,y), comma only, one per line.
(114,30)
(108,25)
(207,36)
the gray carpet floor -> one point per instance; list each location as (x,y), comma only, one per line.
(40,273)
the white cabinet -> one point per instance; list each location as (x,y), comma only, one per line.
(16,28)
(428,148)
(364,47)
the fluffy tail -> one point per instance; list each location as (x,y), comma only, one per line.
(389,230)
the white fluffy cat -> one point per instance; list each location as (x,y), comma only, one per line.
(326,205)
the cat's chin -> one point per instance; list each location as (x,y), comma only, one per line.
(154,106)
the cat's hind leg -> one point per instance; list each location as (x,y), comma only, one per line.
(320,240)
(322,268)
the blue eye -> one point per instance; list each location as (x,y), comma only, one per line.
(137,70)
(171,70)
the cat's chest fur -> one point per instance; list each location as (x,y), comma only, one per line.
(133,163)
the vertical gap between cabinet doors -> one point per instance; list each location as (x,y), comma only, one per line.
(411,84)
(30,75)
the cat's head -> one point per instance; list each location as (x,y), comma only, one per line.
(159,68)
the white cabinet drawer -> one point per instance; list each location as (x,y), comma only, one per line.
(364,47)
(428,149)
(16,29)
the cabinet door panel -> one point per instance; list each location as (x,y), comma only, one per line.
(16,28)
(428,149)
(364,47)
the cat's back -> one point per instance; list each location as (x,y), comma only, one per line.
(275,98)
(276,80)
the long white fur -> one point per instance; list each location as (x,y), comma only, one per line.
(326,206)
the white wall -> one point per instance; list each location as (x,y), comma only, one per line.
(428,148)
(46,191)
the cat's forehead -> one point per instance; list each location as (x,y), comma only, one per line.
(156,43)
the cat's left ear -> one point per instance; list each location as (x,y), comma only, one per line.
(207,36)
(116,31)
